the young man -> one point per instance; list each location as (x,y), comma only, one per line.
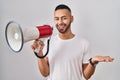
(69,56)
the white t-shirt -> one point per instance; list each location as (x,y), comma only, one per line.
(66,58)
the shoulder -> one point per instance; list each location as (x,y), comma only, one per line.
(82,40)
(55,37)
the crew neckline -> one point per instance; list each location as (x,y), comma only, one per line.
(66,39)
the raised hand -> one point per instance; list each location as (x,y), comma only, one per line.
(97,59)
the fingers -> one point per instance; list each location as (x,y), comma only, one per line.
(102,59)
(107,59)
(41,43)
(37,43)
(34,45)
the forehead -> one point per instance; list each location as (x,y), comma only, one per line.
(62,12)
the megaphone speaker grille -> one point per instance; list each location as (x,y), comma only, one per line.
(14,36)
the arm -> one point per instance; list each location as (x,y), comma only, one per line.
(88,69)
(43,64)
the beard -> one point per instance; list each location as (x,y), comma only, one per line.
(65,27)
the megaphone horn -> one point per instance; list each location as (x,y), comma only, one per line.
(16,37)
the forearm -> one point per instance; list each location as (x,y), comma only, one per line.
(43,67)
(43,64)
(89,68)
(88,71)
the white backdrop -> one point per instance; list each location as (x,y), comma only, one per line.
(96,20)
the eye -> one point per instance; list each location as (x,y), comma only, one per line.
(64,18)
(56,19)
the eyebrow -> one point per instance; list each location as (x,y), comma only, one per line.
(60,17)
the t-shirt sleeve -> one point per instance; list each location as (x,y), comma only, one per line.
(87,52)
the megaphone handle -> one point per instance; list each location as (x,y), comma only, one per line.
(38,43)
(36,50)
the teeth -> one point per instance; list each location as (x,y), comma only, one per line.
(61,27)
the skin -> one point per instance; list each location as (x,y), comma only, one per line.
(63,19)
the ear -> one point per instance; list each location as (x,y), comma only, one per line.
(72,18)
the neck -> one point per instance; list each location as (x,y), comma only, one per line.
(67,35)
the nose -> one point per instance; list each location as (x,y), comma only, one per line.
(60,21)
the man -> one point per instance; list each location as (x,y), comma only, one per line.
(69,57)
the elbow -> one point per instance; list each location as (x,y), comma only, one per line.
(87,77)
(44,73)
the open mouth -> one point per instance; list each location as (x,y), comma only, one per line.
(61,27)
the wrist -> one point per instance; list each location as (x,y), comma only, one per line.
(38,55)
(93,63)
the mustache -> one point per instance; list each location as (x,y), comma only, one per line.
(62,24)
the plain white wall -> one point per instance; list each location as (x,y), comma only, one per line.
(96,20)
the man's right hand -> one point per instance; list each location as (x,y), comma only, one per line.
(38,46)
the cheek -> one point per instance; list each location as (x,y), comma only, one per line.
(67,22)
(55,22)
